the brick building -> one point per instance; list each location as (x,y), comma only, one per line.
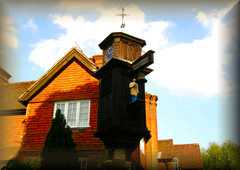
(27,109)
(12,114)
(184,156)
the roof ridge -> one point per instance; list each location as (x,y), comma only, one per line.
(190,144)
(160,140)
(21,82)
(97,55)
(81,52)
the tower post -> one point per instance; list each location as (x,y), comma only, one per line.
(121,121)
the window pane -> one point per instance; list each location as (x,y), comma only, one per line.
(83,164)
(84,103)
(84,113)
(61,106)
(71,115)
(84,109)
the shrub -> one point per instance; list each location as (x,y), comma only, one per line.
(59,149)
(221,157)
(28,164)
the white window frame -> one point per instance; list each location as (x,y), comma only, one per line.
(142,145)
(66,103)
(83,161)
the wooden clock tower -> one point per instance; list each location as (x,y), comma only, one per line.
(122,46)
(122,123)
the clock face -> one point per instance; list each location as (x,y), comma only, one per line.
(109,53)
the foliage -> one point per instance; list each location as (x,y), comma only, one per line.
(59,150)
(16,164)
(221,157)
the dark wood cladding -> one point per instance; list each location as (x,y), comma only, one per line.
(127,50)
(121,123)
(124,46)
(108,40)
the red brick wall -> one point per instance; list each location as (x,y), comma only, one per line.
(73,82)
(149,157)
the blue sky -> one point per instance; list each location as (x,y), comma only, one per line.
(188,75)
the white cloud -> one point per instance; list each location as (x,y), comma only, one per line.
(88,34)
(46,53)
(190,68)
(184,68)
(195,67)
(8,32)
(30,24)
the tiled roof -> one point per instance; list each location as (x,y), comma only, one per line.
(4,73)
(9,94)
(4,76)
(188,155)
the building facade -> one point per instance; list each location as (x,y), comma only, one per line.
(71,86)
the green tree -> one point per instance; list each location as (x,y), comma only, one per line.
(221,157)
(59,149)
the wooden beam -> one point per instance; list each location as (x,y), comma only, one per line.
(143,61)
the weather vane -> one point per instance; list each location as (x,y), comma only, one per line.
(122,15)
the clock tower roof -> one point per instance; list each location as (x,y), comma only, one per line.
(110,38)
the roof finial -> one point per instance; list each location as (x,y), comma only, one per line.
(122,15)
(77,45)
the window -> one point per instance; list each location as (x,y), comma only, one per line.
(83,163)
(77,113)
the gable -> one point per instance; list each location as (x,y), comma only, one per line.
(72,56)
(72,82)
